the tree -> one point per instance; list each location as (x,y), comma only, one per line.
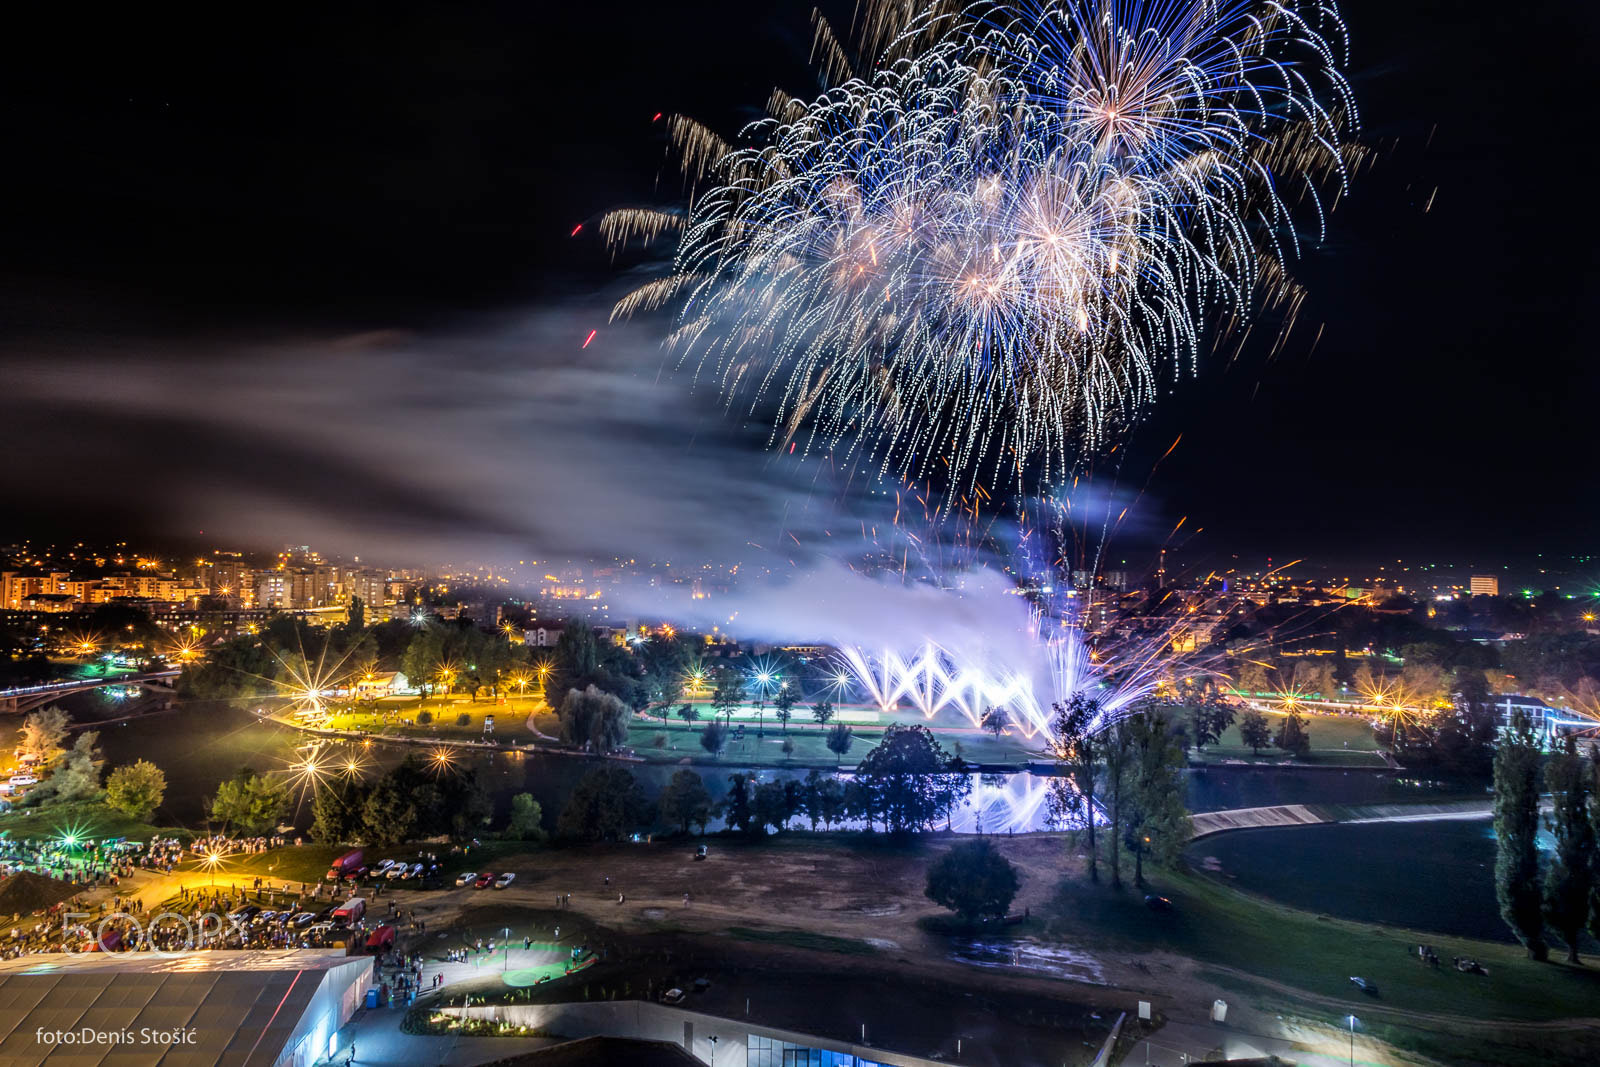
(736,807)
(1210,719)
(714,738)
(995,720)
(576,660)
(1594,831)
(1254,731)
(783,705)
(606,805)
(794,800)
(768,807)
(388,814)
(973,880)
(1571,878)
(76,775)
(1155,819)
(43,732)
(250,803)
(839,740)
(688,713)
(1516,828)
(357,619)
(1075,745)
(527,819)
(910,780)
(787,748)
(822,711)
(594,719)
(823,797)
(1116,755)
(1292,735)
(136,789)
(729,693)
(1252,677)
(336,813)
(685,801)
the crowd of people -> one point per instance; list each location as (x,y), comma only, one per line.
(88,863)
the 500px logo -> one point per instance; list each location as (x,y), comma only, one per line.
(166,933)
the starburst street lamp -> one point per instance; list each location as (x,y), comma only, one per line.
(212,860)
(447,678)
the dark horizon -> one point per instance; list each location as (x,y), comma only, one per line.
(195,215)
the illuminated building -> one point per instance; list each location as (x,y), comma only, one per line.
(1484,585)
(267,1007)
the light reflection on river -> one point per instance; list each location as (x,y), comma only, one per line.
(199,744)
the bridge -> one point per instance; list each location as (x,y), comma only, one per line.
(27,698)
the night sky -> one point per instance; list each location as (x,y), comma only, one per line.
(188,195)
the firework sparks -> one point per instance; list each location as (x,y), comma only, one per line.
(996,245)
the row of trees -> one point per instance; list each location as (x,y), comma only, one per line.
(906,783)
(72,772)
(1565,898)
(1128,772)
(410,802)
(839,739)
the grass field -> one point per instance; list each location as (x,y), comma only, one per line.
(85,820)
(683,740)
(1221,926)
(1336,740)
(455,717)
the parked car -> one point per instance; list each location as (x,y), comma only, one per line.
(700,853)
(1155,903)
(246,913)
(504,880)
(466,879)
(397,871)
(383,868)
(485,880)
(672,996)
(305,918)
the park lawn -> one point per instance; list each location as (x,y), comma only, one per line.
(511,718)
(810,749)
(85,819)
(1336,740)
(1218,925)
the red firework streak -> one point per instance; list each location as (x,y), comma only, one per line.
(586,340)
(575,230)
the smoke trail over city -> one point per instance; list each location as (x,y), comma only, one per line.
(497,442)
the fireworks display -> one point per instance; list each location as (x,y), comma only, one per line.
(994,245)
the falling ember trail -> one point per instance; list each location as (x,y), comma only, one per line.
(586,340)
(575,230)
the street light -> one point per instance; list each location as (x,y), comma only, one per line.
(1353,1020)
